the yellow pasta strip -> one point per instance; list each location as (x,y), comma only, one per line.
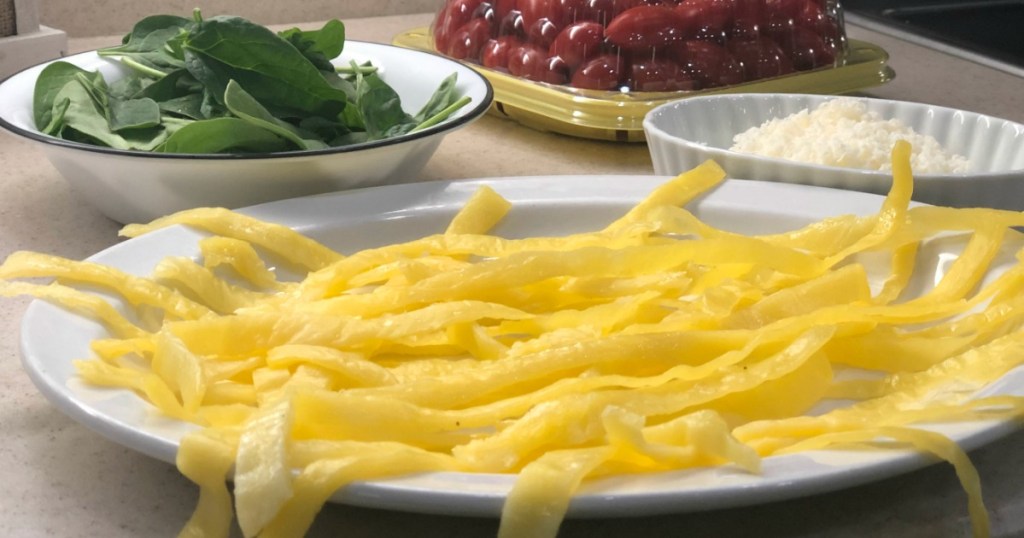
(658,342)
(281,240)
(484,209)
(136,290)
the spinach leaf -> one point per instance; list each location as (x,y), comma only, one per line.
(444,95)
(128,87)
(133,114)
(175,84)
(267,91)
(319,46)
(221,49)
(86,116)
(56,124)
(222,135)
(379,106)
(188,106)
(247,108)
(149,39)
(51,81)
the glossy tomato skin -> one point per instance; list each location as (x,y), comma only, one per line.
(642,45)
(454,15)
(578,42)
(512,25)
(659,75)
(644,27)
(706,16)
(761,58)
(503,7)
(709,64)
(531,62)
(542,32)
(467,42)
(603,72)
(806,49)
(496,51)
(534,10)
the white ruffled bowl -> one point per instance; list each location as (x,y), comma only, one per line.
(684,133)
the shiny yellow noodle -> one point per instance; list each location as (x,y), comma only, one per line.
(484,209)
(335,279)
(80,302)
(136,290)
(111,349)
(401,272)
(278,239)
(559,346)
(573,418)
(241,257)
(198,281)
(537,503)
(476,341)
(906,396)
(847,286)
(206,458)
(676,192)
(353,367)
(893,215)
(263,479)
(321,478)
(181,370)
(497,280)
(925,441)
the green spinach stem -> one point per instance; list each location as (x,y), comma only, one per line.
(440,116)
(143,69)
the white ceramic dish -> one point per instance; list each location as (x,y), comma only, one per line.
(138,187)
(363,218)
(684,133)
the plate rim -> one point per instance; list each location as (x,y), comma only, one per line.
(600,498)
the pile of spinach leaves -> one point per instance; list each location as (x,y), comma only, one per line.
(227,85)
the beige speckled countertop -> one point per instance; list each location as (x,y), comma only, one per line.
(61,479)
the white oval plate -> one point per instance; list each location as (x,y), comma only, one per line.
(348,221)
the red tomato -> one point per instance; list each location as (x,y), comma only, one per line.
(779,27)
(761,58)
(553,71)
(467,42)
(744,30)
(578,42)
(534,10)
(512,24)
(785,8)
(574,10)
(806,49)
(708,63)
(659,75)
(708,15)
(603,72)
(495,52)
(603,11)
(645,27)
(503,7)
(543,32)
(751,12)
(823,25)
(531,62)
(453,16)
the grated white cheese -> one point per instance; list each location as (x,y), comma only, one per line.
(842,132)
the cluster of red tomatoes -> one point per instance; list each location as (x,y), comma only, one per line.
(642,45)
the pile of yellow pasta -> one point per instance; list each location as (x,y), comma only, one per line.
(657,343)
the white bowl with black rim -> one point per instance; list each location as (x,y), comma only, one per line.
(137,186)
